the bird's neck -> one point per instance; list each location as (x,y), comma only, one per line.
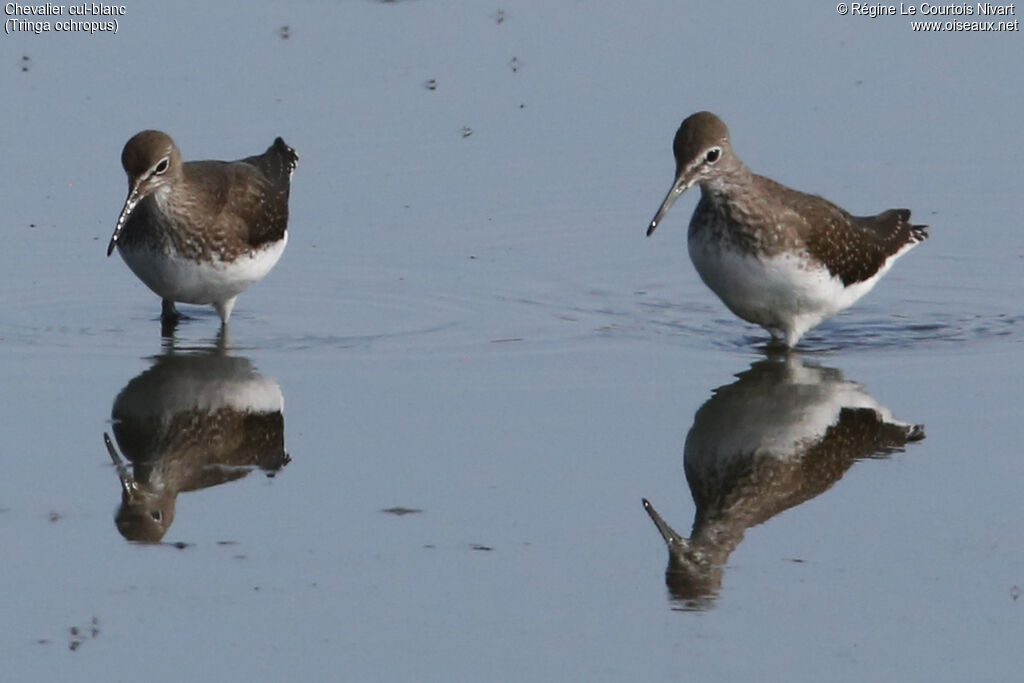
(727,185)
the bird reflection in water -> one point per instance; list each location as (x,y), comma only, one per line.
(780,435)
(194,419)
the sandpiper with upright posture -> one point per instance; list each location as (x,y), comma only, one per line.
(201,232)
(776,257)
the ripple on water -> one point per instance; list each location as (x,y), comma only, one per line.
(852,330)
(283,318)
(449,317)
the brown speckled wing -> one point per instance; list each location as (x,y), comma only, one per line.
(854,248)
(266,211)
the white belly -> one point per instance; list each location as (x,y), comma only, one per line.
(786,294)
(201,282)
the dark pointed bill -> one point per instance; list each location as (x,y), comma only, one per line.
(128,484)
(129,206)
(667,532)
(678,188)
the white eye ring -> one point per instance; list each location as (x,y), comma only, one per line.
(162,166)
(713,155)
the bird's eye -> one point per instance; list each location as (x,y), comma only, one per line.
(157,515)
(161,167)
(713,155)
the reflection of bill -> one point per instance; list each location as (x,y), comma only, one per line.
(190,422)
(782,434)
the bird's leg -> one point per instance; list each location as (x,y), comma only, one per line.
(169,318)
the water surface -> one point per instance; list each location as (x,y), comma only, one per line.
(473,331)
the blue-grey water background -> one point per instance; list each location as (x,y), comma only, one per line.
(469,322)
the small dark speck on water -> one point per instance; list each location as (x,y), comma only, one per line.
(399,511)
(499,17)
(26,62)
(180,545)
(466,131)
(480,546)
(53,516)
(77,636)
(796,560)
(431,84)
(285,32)
(1015,593)
(506,340)
(514,64)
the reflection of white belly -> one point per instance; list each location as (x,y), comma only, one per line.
(201,282)
(780,417)
(785,293)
